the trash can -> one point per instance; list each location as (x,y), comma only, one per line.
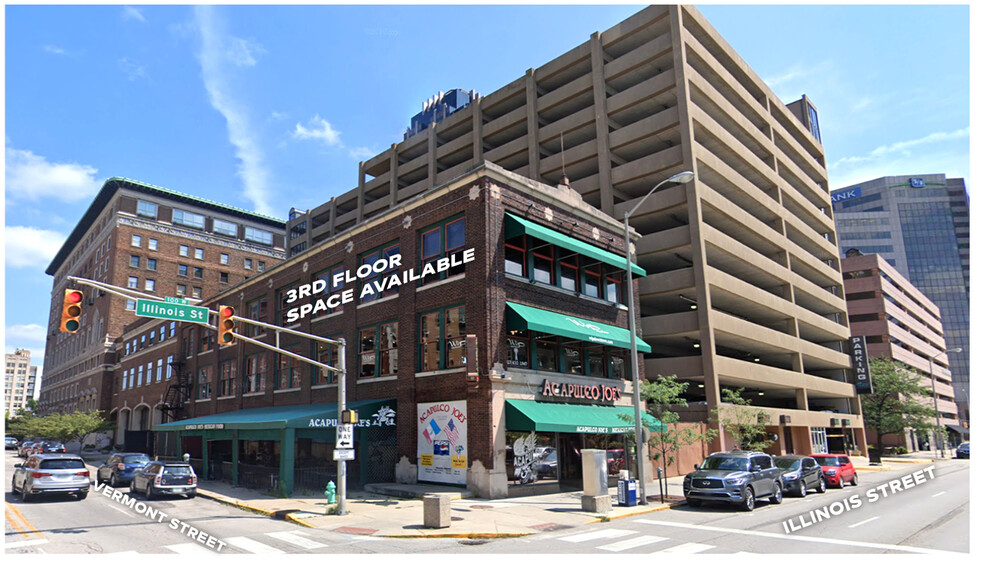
(627,492)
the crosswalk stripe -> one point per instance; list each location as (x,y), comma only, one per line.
(190,549)
(598,534)
(252,546)
(687,548)
(632,543)
(296,540)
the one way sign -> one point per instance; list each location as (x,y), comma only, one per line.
(343,437)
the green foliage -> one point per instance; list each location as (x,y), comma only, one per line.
(743,421)
(898,401)
(60,427)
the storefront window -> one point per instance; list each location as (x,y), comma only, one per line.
(531,458)
(518,349)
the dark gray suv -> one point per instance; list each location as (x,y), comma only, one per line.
(736,477)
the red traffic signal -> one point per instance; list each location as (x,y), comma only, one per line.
(227,325)
(71,311)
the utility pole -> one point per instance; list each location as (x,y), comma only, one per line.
(342,488)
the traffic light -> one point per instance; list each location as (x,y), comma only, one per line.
(227,326)
(71,311)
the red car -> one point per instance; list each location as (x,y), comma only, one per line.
(837,469)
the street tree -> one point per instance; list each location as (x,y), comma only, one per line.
(662,395)
(63,427)
(742,421)
(898,401)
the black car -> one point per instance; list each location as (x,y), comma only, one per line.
(158,477)
(51,447)
(963,450)
(800,473)
(120,467)
(736,477)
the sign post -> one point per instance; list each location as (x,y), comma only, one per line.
(341,463)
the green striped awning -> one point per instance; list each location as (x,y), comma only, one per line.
(519,317)
(535,416)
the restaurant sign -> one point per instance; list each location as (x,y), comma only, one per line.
(598,393)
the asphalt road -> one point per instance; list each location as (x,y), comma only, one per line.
(100,525)
(928,518)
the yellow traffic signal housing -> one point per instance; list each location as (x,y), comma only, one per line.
(350,416)
(71,311)
(227,325)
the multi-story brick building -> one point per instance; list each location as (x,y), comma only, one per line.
(20,380)
(152,241)
(744,287)
(532,271)
(900,323)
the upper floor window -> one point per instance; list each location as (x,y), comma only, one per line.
(199,253)
(327,354)
(190,219)
(134,260)
(135,240)
(377,350)
(223,227)
(248,264)
(224,258)
(256,310)
(442,241)
(259,236)
(385,254)
(442,339)
(183,250)
(289,370)
(146,209)
(151,264)
(132,282)
(260,266)
(152,244)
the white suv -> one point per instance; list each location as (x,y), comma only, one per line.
(47,473)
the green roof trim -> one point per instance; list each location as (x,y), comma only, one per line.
(518,226)
(201,201)
(519,317)
(535,416)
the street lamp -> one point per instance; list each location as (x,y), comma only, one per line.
(679,178)
(932,380)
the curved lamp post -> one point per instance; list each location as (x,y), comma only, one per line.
(679,178)
(932,380)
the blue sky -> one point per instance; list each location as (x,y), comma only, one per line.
(266,108)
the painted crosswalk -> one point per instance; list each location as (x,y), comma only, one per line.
(252,546)
(630,539)
(297,540)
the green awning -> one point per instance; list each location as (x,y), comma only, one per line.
(518,226)
(380,412)
(534,416)
(519,317)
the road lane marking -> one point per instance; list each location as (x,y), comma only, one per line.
(788,537)
(939,493)
(25,543)
(687,548)
(190,549)
(28,526)
(598,534)
(632,543)
(252,546)
(295,539)
(861,523)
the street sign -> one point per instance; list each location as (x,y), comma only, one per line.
(172,311)
(343,436)
(344,455)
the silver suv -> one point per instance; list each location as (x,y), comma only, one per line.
(737,477)
(48,473)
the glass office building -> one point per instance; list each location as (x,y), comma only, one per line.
(921,226)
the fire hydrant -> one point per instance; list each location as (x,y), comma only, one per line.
(330,492)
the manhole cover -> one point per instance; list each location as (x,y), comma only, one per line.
(481,506)
(473,541)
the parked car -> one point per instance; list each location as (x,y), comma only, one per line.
(800,473)
(157,477)
(25,448)
(736,477)
(120,467)
(10,442)
(51,473)
(837,469)
(546,467)
(963,450)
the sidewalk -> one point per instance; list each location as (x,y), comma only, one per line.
(387,515)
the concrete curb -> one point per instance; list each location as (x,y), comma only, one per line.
(458,536)
(659,508)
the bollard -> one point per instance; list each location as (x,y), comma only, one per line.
(330,492)
(437,511)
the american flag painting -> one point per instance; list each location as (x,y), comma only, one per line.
(451,432)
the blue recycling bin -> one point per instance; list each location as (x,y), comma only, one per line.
(627,492)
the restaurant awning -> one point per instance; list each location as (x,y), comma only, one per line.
(280,417)
(519,317)
(535,416)
(519,226)
(963,432)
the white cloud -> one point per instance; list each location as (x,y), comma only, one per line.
(132,69)
(26,336)
(55,49)
(361,153)
(27,246)
(131,13)
(903,148)
(938,152)
(218,50)
(32,177)
(320,129)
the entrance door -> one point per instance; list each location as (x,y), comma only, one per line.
(570,460)
(787,434)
